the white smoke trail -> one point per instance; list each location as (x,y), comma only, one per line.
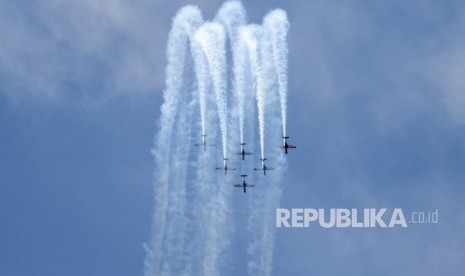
(201,71)
(192,223)
(239,85)
(213,230)
(251,36)
(186,21)
(208,210)
(277,27)
(211,37)
(232,16)
(175,240)
(261,249)
(211,215)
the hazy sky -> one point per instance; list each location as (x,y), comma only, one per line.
(376,107)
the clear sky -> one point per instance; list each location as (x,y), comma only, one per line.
(376,107)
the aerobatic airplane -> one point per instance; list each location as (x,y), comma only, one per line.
(264,168)
(243,152)
(225,167)
(204,143)
(286,146)
(244,184)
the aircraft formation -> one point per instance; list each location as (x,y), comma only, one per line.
(263,167)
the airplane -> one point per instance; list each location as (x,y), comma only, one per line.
(244,184)
(243,152)
(225,167)
(286,146)
(204,143)
(264,168)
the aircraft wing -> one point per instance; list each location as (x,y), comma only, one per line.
(238,185)
(291,147)
(228,169)
(249,185)
(246,153)
(261,169)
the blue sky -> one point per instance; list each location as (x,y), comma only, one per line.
(376,108)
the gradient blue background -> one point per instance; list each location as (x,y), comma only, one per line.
(376,108)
